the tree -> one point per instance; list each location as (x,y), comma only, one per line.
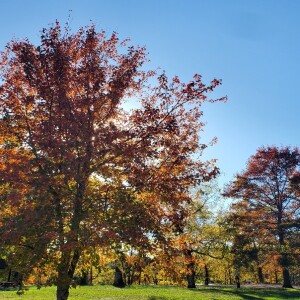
(270,186)
(251,240)
(69,149)
(197,232)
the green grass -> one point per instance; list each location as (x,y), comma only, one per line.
(157,293)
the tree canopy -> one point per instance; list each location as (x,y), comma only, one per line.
(76,168)
(270,189)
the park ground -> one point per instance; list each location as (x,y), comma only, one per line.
(159,293)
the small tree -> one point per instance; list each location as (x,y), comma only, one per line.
(197,232)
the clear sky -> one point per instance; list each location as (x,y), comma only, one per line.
(252,45)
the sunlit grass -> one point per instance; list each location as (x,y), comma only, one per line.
(156,293)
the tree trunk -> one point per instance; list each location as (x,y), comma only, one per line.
(62,292)
(91,276)
(237,280)
(9,275)
(238,284)
(130,274)
(191,280)
(285,272)
(230,275)
(66,270)
(84,278)
(206,282)
(284,257)
(190,269)
(118,281)
(276,276)
(260,275)
(19,280)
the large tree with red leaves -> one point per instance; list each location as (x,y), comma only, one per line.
(70,153)
(271,187)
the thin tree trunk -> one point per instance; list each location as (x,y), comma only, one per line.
(130,275)
(230,275)
(9,275)
(276,276)
(91,276)
(206,282)
(237,280)
(238,283)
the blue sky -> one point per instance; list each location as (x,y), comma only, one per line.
(253,46)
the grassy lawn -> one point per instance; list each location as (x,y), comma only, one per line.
(156,293)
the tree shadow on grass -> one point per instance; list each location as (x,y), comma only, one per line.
(157,298)
(264,293)
(253,293)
